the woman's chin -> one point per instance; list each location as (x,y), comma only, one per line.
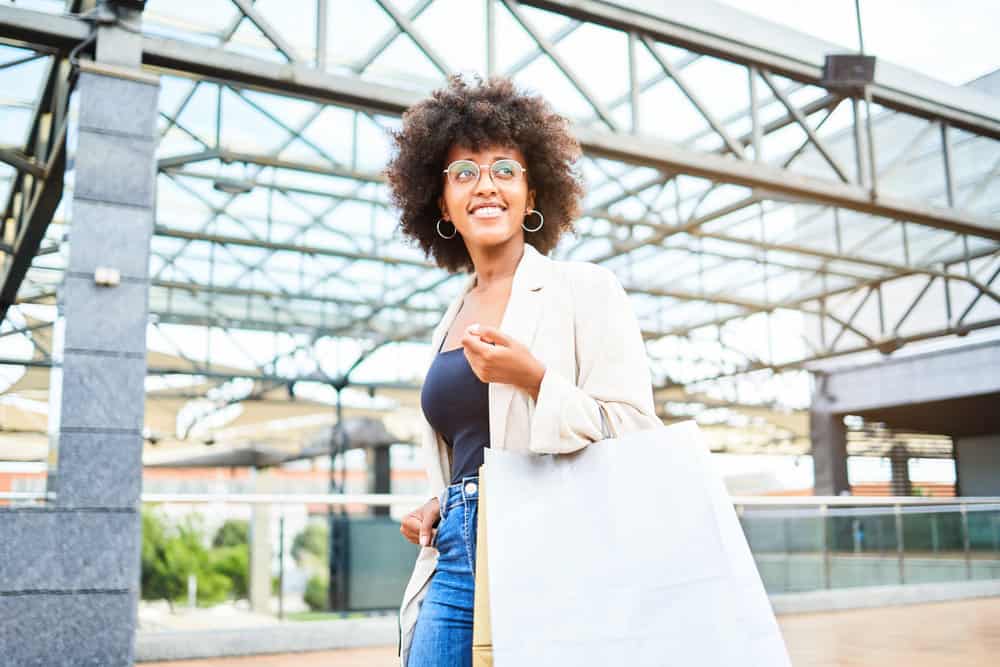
(490,234)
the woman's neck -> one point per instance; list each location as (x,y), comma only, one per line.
(496,265)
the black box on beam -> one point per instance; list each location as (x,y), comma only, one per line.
(848,71)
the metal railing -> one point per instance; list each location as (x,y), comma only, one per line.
(815,543)
(799,543)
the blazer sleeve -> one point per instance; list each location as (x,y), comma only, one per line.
(612,371)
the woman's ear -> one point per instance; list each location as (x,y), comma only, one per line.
(531,200)
(443,208)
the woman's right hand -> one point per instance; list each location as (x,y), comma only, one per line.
(418,525)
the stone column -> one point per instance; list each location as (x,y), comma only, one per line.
(829,451)
(977,465)
(260,547)
(69,571)
(828,436)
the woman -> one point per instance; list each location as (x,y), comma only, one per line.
(534,354)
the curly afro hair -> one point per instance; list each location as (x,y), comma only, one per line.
(488,113)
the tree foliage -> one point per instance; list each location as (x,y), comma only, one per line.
(233,562)
(173,552)
(311,546)
(232,533)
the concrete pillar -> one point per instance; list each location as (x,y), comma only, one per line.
(829,451)
(69,571)
(260,548)
(828,437)
(977,464)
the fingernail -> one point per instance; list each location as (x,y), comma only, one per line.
(423,540)
(473,328)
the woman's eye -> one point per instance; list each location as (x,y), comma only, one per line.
(465,174)
(504,171)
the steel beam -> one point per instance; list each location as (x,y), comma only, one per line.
(635,150)
(189,59)
(544,44)
(404,24)
(42,198)
(231,290)
(215,64)
(721,31)
(170,232)
(265,377)
(229,157)
(766,45)
(266,29)
(22,162)
(702,108)
(797,302)
(651,152)
(380,46)
(804,124)
(280,187)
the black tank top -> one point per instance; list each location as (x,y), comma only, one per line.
(456,403)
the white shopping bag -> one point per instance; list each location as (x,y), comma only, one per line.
(627,552)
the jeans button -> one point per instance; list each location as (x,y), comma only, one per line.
(470,488)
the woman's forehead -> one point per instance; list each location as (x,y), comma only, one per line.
(484,154)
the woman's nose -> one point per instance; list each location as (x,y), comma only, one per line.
(485,183)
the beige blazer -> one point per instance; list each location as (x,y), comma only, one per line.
(577,320)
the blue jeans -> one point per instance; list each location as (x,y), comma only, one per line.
(443,635)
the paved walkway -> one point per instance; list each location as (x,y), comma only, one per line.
(945,634)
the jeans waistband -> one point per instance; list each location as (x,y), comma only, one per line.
(459,493)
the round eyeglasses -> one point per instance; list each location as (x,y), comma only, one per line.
(466,172)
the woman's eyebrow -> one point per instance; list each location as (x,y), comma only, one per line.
(492,159)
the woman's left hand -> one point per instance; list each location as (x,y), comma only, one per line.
(496,357)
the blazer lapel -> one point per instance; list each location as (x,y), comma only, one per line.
(449,318)
(520,321)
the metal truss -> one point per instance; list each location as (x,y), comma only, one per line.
(728,188)
(37,186)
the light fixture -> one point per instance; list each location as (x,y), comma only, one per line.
(231,186)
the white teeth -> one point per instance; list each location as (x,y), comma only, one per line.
(487,211)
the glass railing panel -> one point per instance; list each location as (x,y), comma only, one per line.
(863,547)
(934,540)
(984,542)
(787,546)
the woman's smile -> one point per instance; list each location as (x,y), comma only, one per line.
(488,211)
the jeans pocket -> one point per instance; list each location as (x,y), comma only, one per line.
(471,524)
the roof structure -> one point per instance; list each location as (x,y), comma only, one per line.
(763,220)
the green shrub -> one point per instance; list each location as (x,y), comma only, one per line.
(233,562)
(232,533)
(311,546)
(315,595)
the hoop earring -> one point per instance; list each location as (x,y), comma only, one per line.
(454,230)
(541,221)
